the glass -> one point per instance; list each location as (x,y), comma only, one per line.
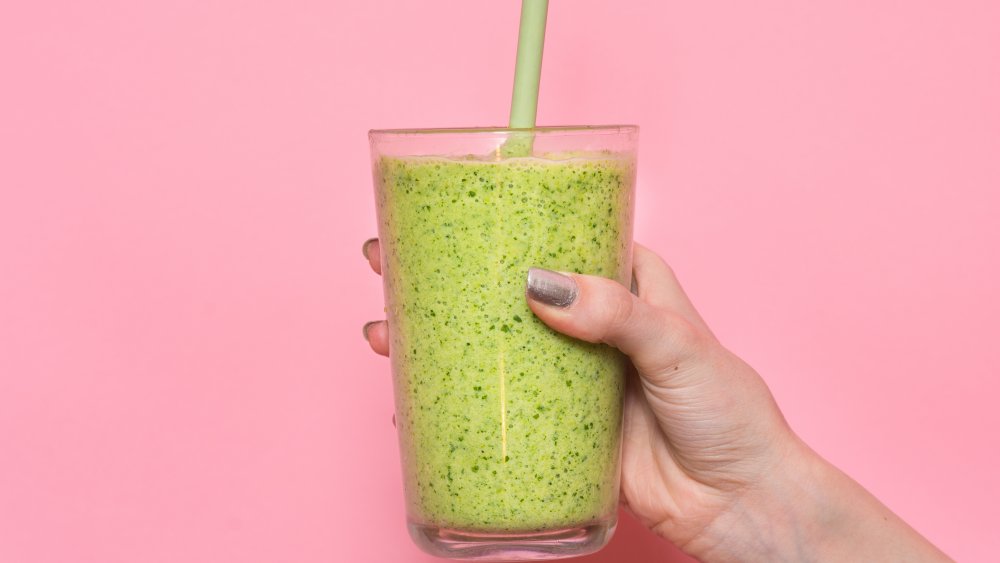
(509,433)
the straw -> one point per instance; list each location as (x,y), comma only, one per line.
(527,74)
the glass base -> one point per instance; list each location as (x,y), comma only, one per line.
(534,546)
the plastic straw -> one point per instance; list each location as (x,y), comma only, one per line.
(527,74)
(528,70)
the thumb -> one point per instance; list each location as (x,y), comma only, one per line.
(597,309)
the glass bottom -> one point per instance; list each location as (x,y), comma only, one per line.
(534,546)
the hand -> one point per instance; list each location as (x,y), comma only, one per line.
(708,461)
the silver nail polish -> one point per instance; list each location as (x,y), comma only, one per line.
(551,288)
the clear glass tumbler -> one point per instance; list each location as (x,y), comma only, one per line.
(509,433)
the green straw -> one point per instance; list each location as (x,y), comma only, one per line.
(527,74)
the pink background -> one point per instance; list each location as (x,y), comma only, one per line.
(184,188)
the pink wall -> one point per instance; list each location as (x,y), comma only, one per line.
(184,189)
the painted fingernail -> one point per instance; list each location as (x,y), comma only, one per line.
(364,329)
(364,246)
(551,288)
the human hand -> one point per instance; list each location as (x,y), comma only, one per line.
(708,461)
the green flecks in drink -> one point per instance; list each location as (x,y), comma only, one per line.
(493,407)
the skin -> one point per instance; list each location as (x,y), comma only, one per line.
(708,461)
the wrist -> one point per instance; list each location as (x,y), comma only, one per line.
(776,517)
(805,509)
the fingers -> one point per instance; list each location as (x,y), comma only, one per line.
(608,315)
(375,332)
(373,252)
(659,287)
(377,335)
(597,309)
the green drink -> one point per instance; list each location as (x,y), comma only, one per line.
(509,431)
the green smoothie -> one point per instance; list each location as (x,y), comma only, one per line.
(505,425)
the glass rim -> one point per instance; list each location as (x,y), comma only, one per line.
(543,130)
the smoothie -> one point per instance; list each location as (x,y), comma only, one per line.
(505,425)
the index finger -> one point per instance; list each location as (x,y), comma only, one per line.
(373,252)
